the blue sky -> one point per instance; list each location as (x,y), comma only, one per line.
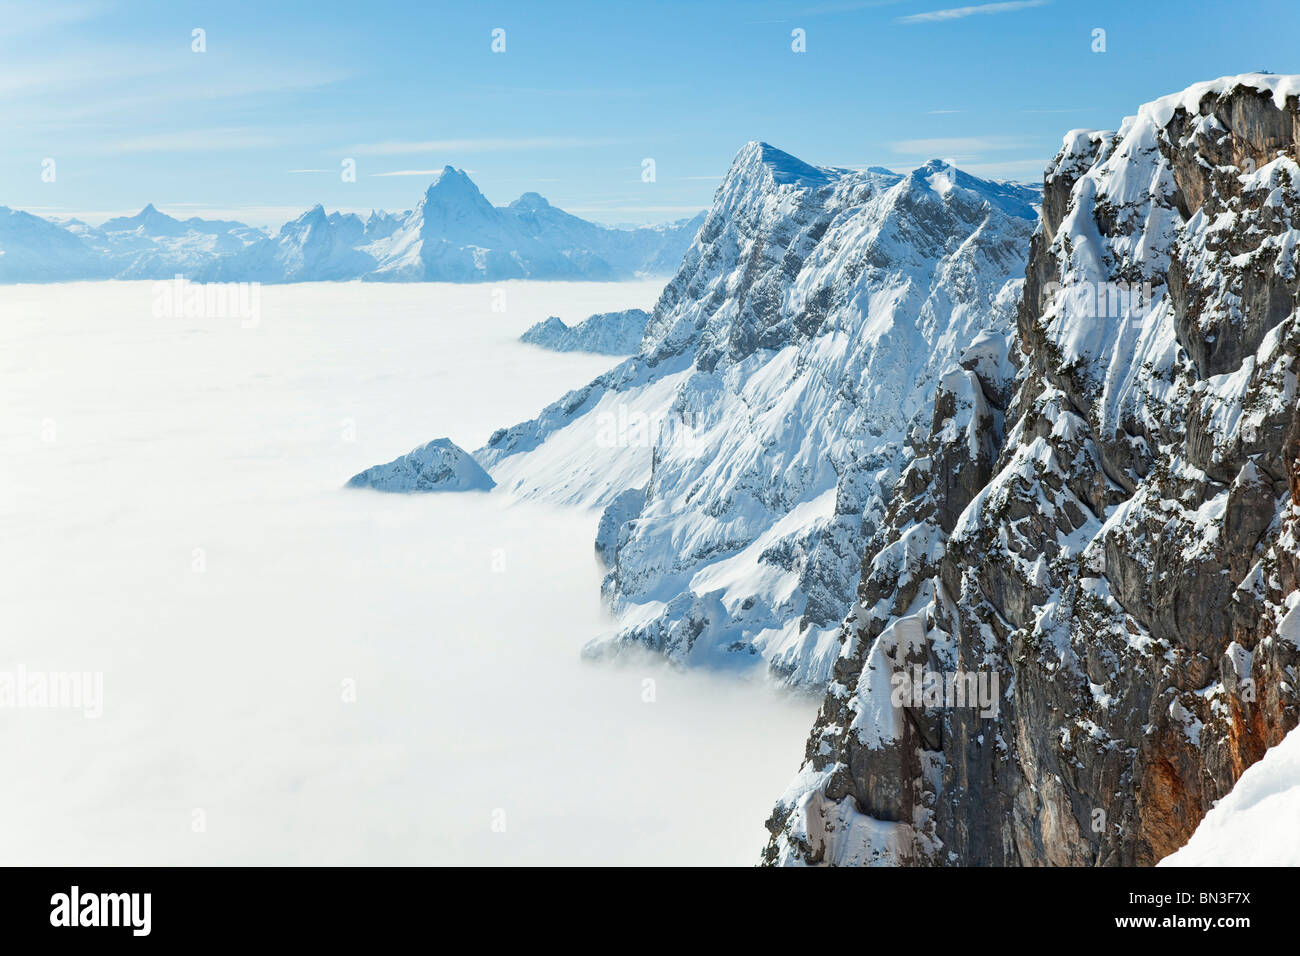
(257,127)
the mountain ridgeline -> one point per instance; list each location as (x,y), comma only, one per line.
(453,235)
(746,453)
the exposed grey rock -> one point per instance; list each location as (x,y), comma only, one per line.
(1116,541)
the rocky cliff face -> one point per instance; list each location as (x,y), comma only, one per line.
(747,452)
(1102,532)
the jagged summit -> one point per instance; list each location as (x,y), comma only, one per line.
(530,201)
(454,186)
(761,160)
(940,176)
(149,221)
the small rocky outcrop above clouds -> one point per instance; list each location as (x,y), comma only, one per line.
(439,465)
(605,333)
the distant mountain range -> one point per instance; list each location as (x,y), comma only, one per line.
(453,235)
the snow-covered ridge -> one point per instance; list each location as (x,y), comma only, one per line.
(1282,87)
(747,451)
(454,234)
(605,333)
(439,465)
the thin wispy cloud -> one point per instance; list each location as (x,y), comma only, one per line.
(1024,170)
(192,140)
(954,145)
(262,216)
(32,77)
(19,19)
(959,13)
(608,211)
(828,9)
(596,90)
(487,145)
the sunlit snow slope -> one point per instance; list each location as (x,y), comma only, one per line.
(745,454)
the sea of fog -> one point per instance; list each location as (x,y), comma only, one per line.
(297,673)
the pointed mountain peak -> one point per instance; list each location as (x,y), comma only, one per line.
(454,194)
(153,221)
(530,201)
(314,215)
(940,177)
(451,179)
(757,157)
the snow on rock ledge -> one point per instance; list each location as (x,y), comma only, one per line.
(439,465)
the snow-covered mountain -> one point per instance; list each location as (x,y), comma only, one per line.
(439,465)
(605,333)
(747,452)
(1102,532)
(33,249)
(314,247)
(454,234)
